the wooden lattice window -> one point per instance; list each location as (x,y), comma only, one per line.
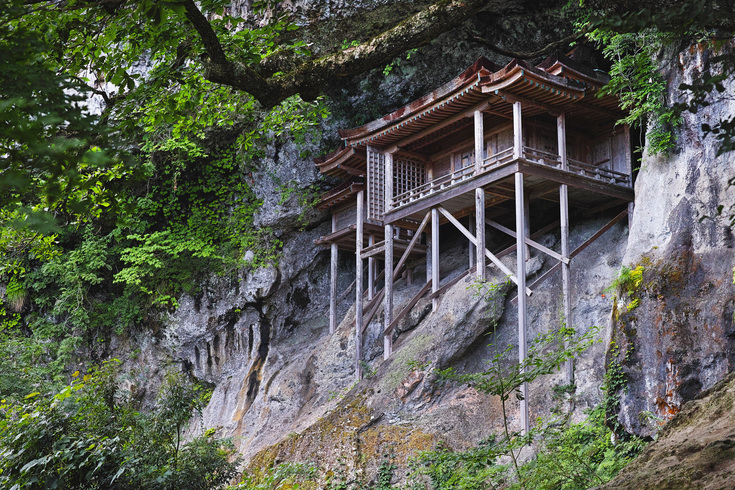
(408,173)
(376,185)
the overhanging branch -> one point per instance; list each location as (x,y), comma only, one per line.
(525,55)
(309,78)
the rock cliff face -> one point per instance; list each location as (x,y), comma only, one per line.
(681,339)
(695,450)
(285,389)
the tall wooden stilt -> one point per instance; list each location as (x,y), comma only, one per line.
(564,223)
(371,269)
(434,257)
(480,232)
(479,196)
(521,276)
(358,287)
(388,300)
(521,253)
(333,256)
(428,255)
(471,225)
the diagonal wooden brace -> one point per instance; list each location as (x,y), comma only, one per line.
(529,242)
(488,254)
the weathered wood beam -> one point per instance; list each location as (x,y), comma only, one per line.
(388,300)
(334,251)
(575,180)
(517,130)
(371,268)
(358,286)
(512,98)
(436,127)
(414,241)
(408,307)
(529,242)
(434,256)
(577,250)
(566,287)
(479,196)
(521,281)
(333,259)
(488,254)
(442,196)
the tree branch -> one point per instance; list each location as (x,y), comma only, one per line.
(309,78)
(524,55)
(205,31)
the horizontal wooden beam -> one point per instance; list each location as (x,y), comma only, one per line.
(575,180)
(442,196)
(511,98)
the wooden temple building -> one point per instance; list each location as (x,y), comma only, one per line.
(484,145)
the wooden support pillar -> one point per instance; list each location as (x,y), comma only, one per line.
(517,130)
(434,257)
(564,223)
(371,270)
(470,226)
(480,232)
(388,300)
(479,197)
(333,256)
(428,255)
(521,277)
(358,286)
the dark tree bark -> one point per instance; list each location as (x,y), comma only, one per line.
(308,78)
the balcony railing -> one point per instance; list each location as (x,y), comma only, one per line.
(500,159)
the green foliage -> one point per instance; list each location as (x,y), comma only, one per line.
(56,161)
(569,455)
(627,285)
(472,469)
(385,473)
(578,456)
(367,370)
(636,80)
(286,475)
(633,40)
(89,435)
(107,220)
(397,62)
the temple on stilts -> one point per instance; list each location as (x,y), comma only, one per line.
(473,154)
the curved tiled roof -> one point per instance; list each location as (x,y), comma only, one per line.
(556,84)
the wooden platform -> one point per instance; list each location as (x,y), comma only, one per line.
(541,182)
(346,238)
